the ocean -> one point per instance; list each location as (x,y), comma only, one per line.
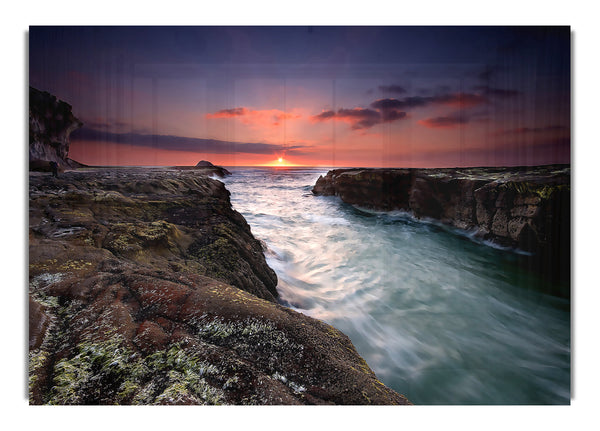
(438,316)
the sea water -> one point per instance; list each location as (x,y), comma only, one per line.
(439,317)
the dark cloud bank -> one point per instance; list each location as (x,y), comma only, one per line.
(180,143)
(387,110)
(391,109)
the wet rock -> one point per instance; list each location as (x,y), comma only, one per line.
(156,292)
(171,220)
(522,207)
(500,223)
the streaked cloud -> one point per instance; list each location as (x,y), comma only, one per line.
(181,143)
(460,100)
(360,118)
(533,130)
(255,117)
(228,113)
(325,115)
(390,109)
(497,92)
(406,103)
(446,122)
(456,100)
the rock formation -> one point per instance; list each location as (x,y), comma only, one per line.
(50,125)
(526,208)
(206,168)
(203,164)
(146,287)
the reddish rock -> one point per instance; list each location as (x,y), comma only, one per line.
(150,337)
(140,267)
(38,324)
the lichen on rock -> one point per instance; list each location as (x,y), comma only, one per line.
(156,292)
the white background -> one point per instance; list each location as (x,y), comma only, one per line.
(580,15)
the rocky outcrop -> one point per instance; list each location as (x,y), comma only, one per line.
(204,164)
(146,287)
(206,168)
(50,125)
(526,208)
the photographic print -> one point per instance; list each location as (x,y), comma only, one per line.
(299,215)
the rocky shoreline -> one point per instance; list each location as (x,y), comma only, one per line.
(524,208)
(146,287)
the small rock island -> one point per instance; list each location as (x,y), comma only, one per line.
(206,168)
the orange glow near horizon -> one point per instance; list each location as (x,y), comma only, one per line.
(281,162)
(112,154)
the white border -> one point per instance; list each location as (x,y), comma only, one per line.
(579,14)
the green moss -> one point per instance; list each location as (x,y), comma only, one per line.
(37,360)
(74,265)
(224,230)
(37,293)
(133,238)
(107,372)
(122,243)
(217,254)
(544,191)
(46,265)
(188,387)
(252,339)
(231,382)
(79,380)
(243,332)
(215,329)
(127,391)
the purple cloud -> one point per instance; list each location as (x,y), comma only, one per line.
(180,143)
(444,122)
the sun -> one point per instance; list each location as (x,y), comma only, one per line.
(279,162)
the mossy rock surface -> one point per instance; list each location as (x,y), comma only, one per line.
(146,287)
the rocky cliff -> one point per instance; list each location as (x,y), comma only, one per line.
(146,287)
(526,208)
(50,125)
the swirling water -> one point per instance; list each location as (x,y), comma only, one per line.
(438,317)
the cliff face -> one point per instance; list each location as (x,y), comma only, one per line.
(146,287)
(50,125)
(526,208)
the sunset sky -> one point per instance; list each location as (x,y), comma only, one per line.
(328,96)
